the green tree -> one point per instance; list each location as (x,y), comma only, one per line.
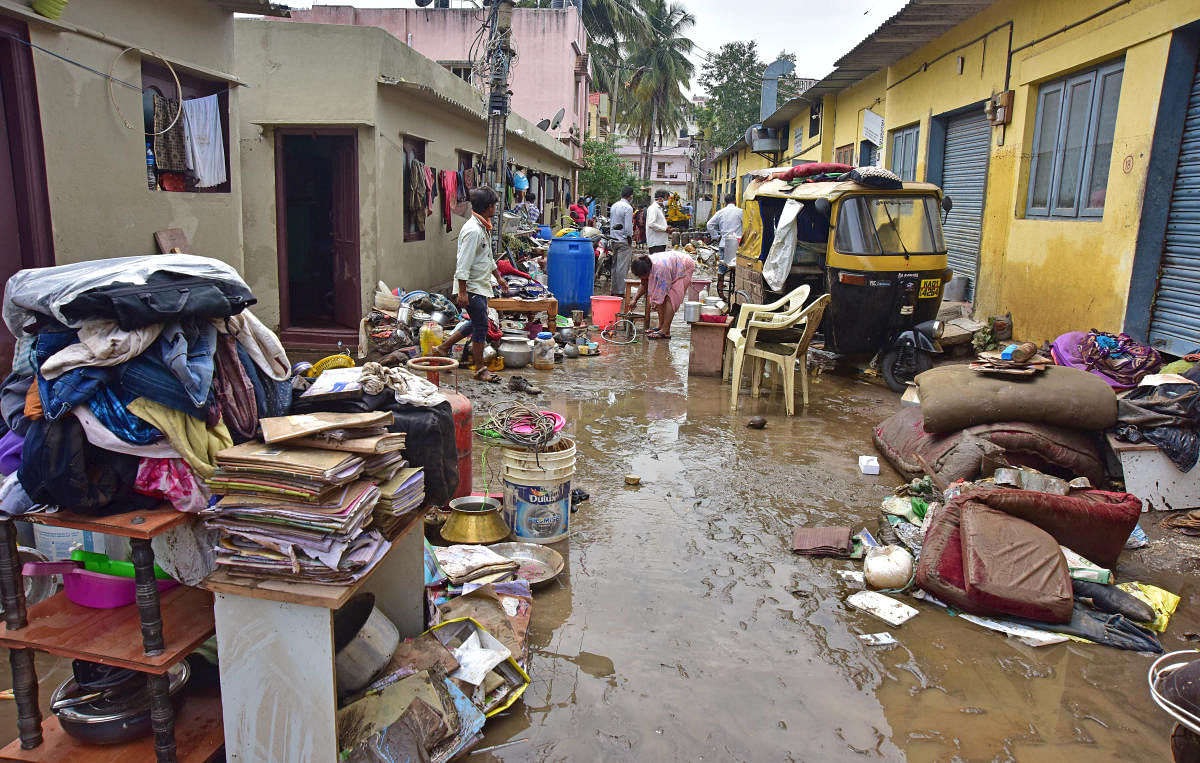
(660,68)
(606,174)
(732,78)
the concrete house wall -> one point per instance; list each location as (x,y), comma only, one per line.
(310,75)
(543,77)
(95,165)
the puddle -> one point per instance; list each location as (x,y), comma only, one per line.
(719,644)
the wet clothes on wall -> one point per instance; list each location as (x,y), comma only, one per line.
(170,145)
(204,140)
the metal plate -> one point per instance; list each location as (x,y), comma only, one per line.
(539,564)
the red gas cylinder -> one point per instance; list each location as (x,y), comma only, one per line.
(461,407)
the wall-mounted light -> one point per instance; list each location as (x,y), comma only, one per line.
(961,61)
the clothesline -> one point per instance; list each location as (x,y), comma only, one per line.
(82,65)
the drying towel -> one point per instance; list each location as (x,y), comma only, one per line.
(415,199)
(822,541)
(430,189)
(170,146)
(205,141)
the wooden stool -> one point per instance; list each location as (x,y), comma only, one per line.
(631,285)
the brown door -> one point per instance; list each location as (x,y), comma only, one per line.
(347,308)
(316,183)
(25,239)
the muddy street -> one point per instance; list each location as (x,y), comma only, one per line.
(685,629)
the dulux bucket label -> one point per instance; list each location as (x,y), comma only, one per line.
(539,512)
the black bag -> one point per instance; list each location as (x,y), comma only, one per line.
(164,297)
(59,467)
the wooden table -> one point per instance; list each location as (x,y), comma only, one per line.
(278,673)
(548,306)
(151,636)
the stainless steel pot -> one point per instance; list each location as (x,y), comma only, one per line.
(517,353)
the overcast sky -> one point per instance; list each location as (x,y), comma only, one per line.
(817,31)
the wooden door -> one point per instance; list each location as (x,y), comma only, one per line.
(347,309)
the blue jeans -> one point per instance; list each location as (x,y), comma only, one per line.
(477,309)
(188,352)
(72,388)
(147,376)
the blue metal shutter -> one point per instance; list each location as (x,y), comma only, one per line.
(964,180)
(1175,319)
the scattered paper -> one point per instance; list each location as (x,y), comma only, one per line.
(477,655)
(868,464)
(878,639)
(886,608)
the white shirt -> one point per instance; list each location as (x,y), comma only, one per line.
(656,226)
(474,263)
(726,223)
(621,217)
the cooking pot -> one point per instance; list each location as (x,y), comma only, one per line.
(121,716)
(516,352)
(443,318)
(364,640)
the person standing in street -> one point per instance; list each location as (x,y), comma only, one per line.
(621,217)
(473,273)
(578,212)
(725,227)
(656,223)
(530,207)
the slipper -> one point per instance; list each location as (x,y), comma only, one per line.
(656,334)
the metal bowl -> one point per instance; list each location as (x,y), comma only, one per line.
(113,720)
(539,564)
(364,640)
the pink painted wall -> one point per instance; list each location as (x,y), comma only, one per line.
(543,77)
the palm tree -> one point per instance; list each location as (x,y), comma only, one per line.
(610,24)
(658,60)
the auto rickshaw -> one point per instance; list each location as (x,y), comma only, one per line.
(878,252)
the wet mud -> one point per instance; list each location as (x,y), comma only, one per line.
(685,629)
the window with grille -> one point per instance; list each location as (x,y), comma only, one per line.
(903,152)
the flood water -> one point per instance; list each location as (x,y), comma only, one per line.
(685,629)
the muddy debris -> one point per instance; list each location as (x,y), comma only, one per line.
(756,422)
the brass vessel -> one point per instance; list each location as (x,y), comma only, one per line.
(475,519)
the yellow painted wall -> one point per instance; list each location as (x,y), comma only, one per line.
(1054,275)
(844,121)
(809,149)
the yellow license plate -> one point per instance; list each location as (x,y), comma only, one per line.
(930,288)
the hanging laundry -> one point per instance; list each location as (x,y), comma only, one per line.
(205,141)
(449,196)
(170,146)
(415,198)
(430,189)
(469,177)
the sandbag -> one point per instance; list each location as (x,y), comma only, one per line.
(1012,567)
(954,397)
(1092,523)
(1059,451)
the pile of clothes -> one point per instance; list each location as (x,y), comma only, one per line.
(128,377)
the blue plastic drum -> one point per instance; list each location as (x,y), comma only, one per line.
(571,265)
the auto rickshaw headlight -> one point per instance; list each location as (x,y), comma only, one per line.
(938,328)
(932,329)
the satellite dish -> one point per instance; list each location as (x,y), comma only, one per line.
(558,118)
(423,3)
(544,124)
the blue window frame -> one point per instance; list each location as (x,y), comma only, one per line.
(904,152)
(1072,143)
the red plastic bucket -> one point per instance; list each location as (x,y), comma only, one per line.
(605,310)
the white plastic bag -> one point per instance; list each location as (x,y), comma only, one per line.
(779,260)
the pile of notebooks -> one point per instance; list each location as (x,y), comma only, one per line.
(301,505)
(399,498)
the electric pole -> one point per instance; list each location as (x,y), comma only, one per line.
(500,52)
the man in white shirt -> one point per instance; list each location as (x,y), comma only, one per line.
(725,227)
(473,272)
(656,223)
(621,218)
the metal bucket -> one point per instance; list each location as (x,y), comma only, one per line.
(691,311)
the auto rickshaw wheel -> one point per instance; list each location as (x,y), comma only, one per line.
(902,364)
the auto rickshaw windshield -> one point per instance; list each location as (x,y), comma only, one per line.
(889,225)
